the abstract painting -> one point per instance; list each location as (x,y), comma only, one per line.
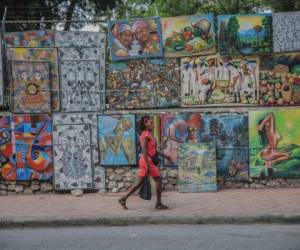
(274,141)
(117,142)
(32,38)
(245,34)
(137,38)
(41,54)
(79,39)
(143,84)
(27,154)
(188,35)
(72,157)
(230,134)
(175,130)
(1,77)
(197,168)
(31,87)
(80,86)
(286,31)
(279,79)
(219,80)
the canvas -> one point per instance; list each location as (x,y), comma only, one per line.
(72,157)
(79,53)
(197,168)
(1,77)
(219,80)
(279,79)
(29,148)
(32,38)
(117,143)
(175,130)
(286,31)
(230,134)
(31,87)
(136,38)
(79,39)
(138,84)
(41,54)
(274,141)
(188,35)
(245,34)
(80,84)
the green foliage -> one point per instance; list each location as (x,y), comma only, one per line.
(233,28)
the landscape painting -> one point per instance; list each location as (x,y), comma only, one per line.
(279,79)
(188,35)
(274,141)
(245,34)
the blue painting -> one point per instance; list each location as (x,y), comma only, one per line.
(117,143)
(137,38)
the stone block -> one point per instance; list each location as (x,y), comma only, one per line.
(46,187)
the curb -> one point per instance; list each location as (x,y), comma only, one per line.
(146,220)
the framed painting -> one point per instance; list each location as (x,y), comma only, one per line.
(136,38)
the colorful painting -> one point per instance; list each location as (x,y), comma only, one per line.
(219,80)
(117,141)
(41,54)
(175,130)
(188,35)
(286,36)
(31,87)
(80,84)
(197,168)
(26,148)
(143,84)
(245,34)
(279,79)
(32,38)
(72,157)
(274,141)
(137,38)
(230,134)
(79,39)
(1,77)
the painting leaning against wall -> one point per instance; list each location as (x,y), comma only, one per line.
(279,79)
(245,34)
(219,80)
(1,77)
(188,35)
(117,140)
(274,142)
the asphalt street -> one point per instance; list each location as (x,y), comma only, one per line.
(175,237)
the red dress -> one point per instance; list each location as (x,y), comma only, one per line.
(151,150)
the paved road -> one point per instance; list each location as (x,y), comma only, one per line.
(175,237)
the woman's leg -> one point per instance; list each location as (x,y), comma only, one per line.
(123,199)
(159,205)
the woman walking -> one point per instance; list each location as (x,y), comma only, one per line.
(146,165)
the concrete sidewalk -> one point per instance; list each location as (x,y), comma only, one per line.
(225,206)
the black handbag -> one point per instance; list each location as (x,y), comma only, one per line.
(155,159)
(145,189)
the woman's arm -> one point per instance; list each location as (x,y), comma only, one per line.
(269,119)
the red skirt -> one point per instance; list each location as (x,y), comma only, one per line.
(153,172)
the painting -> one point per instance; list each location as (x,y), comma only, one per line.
(137,38)
(279,79)
(31,87)
(188,35)
(32,38)
(230,134)
(274,141)
(156,131)
(117,143)
(99,178)
(79,53)
(197,168)
(80,84)
(286,27)
(219,80)
(1,77)
(41,54)
(245,34)
(175,130)
(27,151)
(72,157)
(138,84)
(79,39)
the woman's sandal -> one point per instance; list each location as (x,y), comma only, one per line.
(122,202)
(161,206)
